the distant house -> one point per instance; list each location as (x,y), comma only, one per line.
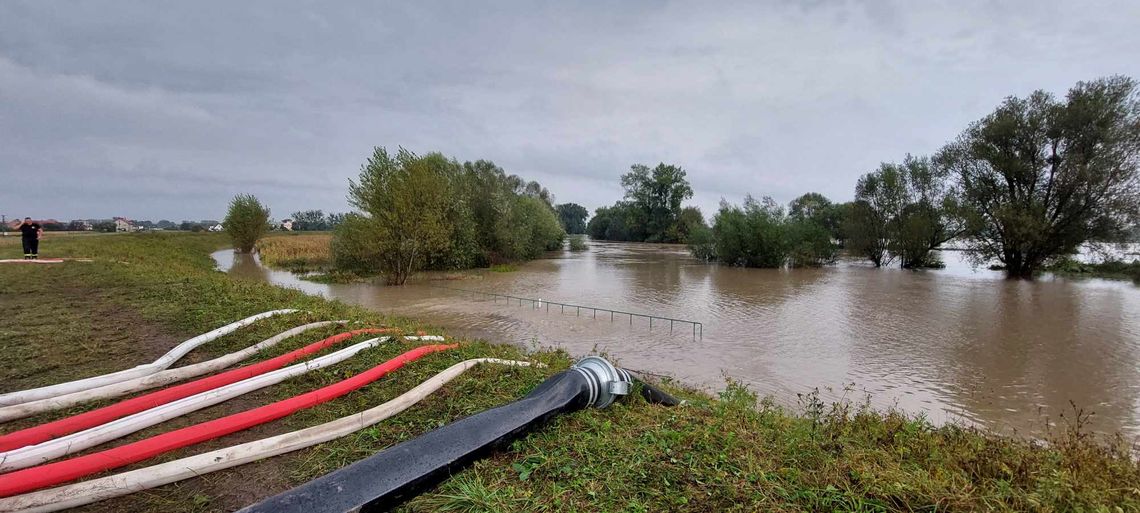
(216,228)
(287,224)
(122,224)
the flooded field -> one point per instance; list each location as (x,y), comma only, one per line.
(955,343)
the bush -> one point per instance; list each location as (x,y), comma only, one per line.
(578,243)
(761,234)
(355,245)
(430,212)
(246,221)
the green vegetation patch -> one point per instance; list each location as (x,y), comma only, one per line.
(1115,269)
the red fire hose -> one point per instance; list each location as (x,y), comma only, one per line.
(33,478)
(65,426)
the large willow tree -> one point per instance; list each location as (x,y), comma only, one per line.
(1040,176)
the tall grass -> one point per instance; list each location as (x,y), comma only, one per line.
(297,252)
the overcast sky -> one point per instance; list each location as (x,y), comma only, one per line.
(165,110)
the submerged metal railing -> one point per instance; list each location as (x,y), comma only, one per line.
(698,328)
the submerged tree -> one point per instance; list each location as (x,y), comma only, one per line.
(656,194)
(246,221)
(879,198)
(1040,176)
(430,212)
(902,211)
(929,215)
(573,217)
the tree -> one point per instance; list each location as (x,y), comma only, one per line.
(310,220)
(573,217)
(929,216)
(656,195)
(1040,176)
(813,222)
(334,220)
(534,230)
(901,211)
(404,198)
(246,221)
(690,222)
(811,206)
(879,198)
(752,236)
(816,208)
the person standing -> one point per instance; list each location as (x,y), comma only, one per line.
(30,233)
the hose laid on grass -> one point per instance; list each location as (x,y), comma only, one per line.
(19,411)
(61,471)
(25,261)
(68,425)
(125,483)
(163,362)
(398,473)
(36,454)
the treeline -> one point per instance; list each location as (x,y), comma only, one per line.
(1025,186)
(315,221)
(431,212)
(651,210)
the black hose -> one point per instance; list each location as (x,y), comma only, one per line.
(655,395)
(399,473)
(394,475)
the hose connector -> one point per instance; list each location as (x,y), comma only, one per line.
(606,381)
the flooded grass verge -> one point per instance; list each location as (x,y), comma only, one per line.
(729,452)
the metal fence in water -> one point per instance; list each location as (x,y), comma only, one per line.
(537,304)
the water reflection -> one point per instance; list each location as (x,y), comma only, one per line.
(956,343)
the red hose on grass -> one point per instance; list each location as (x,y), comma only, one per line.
(29,479)
(66,426)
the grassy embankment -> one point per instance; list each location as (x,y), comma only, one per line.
(144,293)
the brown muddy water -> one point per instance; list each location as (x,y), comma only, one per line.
(955,344)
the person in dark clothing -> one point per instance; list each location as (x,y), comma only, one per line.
(30,233)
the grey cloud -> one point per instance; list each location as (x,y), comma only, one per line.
(167,109)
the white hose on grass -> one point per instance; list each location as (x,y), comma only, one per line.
(33,455)
(165,361)
(87,492)
(19,411)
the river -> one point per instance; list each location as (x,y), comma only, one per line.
(956,344)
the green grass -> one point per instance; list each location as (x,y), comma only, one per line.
(732,452)
(504,268)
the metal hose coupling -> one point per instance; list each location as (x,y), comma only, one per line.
(606,382)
